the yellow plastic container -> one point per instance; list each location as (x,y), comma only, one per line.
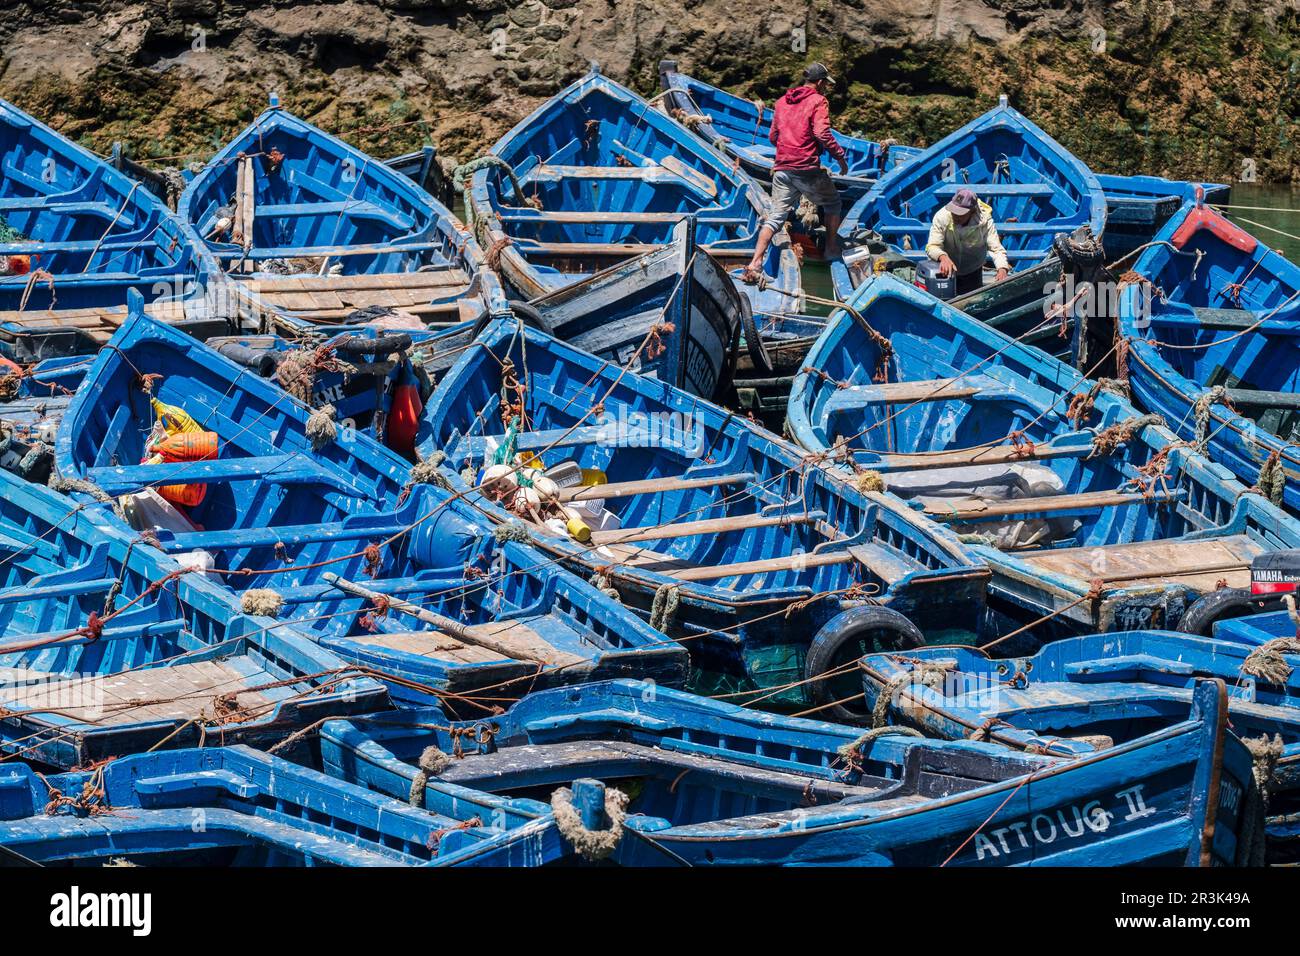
(579,530)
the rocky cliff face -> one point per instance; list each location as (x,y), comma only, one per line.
(1193,89)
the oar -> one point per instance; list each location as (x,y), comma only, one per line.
(449,626)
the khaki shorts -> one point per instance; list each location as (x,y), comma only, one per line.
(788,185)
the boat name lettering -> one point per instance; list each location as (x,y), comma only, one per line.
(1065,823)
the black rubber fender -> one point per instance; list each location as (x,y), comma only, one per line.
(1220,605)
(527,313)
(896,631)
(262,361)
(753,341)
(372,345)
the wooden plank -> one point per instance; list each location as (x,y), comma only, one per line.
(933,390)
(391,280)
(685,529)
(1154,561)
(790,562)
(1000,455)
(92,319)
(597,216)
(179,692)
(529,249)
(332,316)
(552,172)
(973,509)
(488,636)
(650,486)
(1235,319)
(437,644)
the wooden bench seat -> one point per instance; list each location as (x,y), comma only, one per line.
(650,486)
(971,509)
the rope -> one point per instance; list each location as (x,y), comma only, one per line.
(510,531)
(465,170)
(426,472)
(930,674)
(974,833)
(868,481)
(1106,441)
(1083,404)
(591,845)
(431,764)
(86,487)
(111,225)
(36,276)
(1272,478)
(298,371)
(663,609)
(1260,225)
(602,582)
(692,121)
(1218,395)
(263,602)
(1094,594)
(851,751)
(1252,838)
(321,427)
(1267,662)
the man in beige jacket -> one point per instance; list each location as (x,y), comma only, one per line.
(962,237)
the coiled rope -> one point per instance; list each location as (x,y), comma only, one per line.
(591,845)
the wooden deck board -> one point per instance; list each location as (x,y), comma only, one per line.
(929,390)
(180,692)
(959,457)
(436,644)
(440,279)
(1196,563)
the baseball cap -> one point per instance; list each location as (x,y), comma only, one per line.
(964,202)
(817,71)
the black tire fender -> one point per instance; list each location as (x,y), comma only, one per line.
(372,345)
(846,626)
(753,341)
(1219,605)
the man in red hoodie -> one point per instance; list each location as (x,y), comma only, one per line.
(801,130)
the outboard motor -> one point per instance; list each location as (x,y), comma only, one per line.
(929,279)
(1275,573)
(1273,576)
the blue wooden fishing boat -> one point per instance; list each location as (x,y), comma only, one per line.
(255,455)
(640,775)
(1085,695)
(717,531)
(686,296)
(375,380)
(76,234)
(1086,512)
(306,224)
(1212,336)
(235,807)
(443,609)
(425,599)
(595,176)
(1137,207)
(738,128)
(110,648)
(1035,188)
